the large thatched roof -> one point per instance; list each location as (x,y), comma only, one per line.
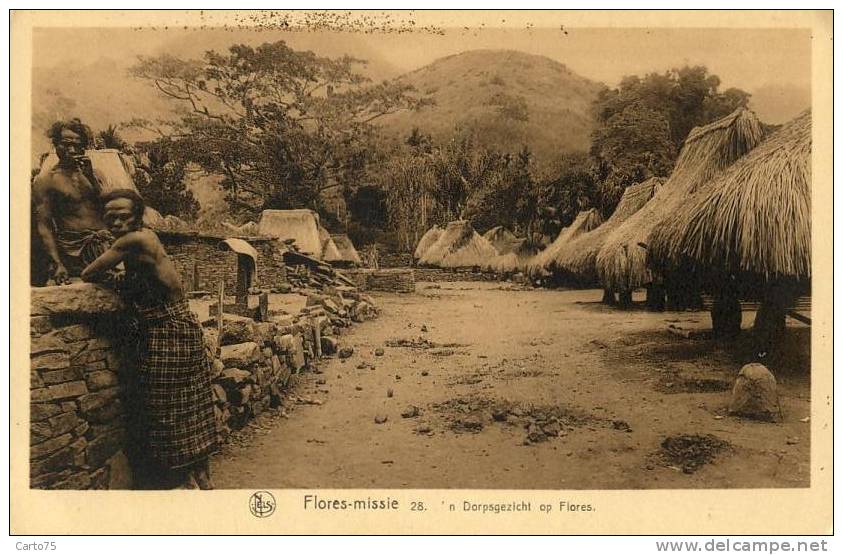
(430,237)
(577,257)
(459,246)
(621,263)
(755,217)
(301,225)
(585,221)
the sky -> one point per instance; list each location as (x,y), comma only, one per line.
(745,58)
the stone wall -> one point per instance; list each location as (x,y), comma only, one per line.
(390,280)
(213,263)
(81,375)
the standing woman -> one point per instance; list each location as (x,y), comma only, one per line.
(176,403)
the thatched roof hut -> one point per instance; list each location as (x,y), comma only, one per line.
(429,238)
(301,225)
(459,246)
(621,263)
(348,254)
(503,240)
(577,257)
(754,218)
(585,221)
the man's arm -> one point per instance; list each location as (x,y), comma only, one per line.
(118,252)
(44,225)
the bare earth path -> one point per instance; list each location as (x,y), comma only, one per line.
(495,364)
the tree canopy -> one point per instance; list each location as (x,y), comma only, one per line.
(281,125)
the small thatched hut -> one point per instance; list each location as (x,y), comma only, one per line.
(503,240)
(577,257)
(752,223)
(330,252)
(585,221)
(348,254)
(621,263)
(429,238)
(459,246)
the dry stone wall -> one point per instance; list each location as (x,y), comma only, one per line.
(81,375)
(213,264)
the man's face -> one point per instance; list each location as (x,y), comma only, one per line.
(119,217)
(70,145)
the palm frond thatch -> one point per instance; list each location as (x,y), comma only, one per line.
(577,257)
(621,263)
(585,221)
(430,237)
(755,217)
(459,246)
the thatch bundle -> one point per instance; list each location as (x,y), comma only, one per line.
(348,254)
(459,246)
(621,263)
(755,217)
(585,221)
(577,257)
(429,238)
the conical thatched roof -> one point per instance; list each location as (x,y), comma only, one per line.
(346,249)
(755,217)
(301,225)
(459,246)
(577,257)
(503,240)
(585,221)
(708,150)
(330,252)
(427,240)
(112,168)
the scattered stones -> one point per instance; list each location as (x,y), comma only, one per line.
(411,411)
(329,345)
(389,392)
(621,425)
(499,415)
(425,373)
(346,352)
(423,429)
(689,452)
(379,352)
(381,418)
(754,395)
(358,388)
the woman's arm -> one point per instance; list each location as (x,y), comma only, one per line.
(108,260)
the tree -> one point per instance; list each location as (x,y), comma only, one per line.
(160,179)
(110,138)
(280,125)
(641,124)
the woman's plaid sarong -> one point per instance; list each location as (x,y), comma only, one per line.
(175,386)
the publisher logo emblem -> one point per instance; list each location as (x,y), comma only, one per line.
(262,504)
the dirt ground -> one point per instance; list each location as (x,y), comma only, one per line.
(518,388)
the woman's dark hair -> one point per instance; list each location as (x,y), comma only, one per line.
(138,205)
(75,125)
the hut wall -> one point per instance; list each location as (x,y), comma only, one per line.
(215,264)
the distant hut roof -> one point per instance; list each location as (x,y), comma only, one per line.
(503,240)
(428,239)
(621,262)
(346,249)
(459,246)
(755,217)
(577,256)
(585,221)
(301,225)
(330,252)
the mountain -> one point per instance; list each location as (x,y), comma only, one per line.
(491,92)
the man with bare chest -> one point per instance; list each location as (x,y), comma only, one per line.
(67,204)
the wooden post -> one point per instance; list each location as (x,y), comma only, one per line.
(241,292)
(220,300)
(196,283)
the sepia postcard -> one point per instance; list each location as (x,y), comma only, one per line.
(421,272)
